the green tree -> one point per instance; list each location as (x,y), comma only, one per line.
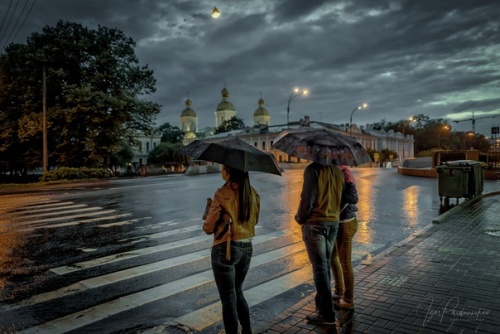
(234,123)
(165,152)
(96,93)
(430,134)
(171,134)
(121,157)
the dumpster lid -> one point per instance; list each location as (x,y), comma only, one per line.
(461,163)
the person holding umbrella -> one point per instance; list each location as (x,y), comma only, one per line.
(318,214)
(320,201)
(232,216)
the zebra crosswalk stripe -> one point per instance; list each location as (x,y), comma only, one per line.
(134,300)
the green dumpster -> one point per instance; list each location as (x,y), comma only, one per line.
(460,178)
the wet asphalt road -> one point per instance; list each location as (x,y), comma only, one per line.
(66,252)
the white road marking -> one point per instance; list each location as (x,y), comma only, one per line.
(105,310)
(37,209)
(125,274)
(64,212)
(96,213)
(73,223)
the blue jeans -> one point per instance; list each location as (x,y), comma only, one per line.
(319,240)
(229,277)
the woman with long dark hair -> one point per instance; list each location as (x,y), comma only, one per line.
(232,217)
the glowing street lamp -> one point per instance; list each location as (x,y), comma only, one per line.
(406,122)
(215,13)
(445,127)
(362,106)
(468,134)
(296,92)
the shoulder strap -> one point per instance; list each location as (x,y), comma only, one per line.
(226,225)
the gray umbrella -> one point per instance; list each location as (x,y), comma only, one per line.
(324,146)
(233,153)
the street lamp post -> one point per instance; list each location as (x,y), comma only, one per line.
(468,134)
(362,106)
(446,127)
(45,160)
(296,92)
(406,122)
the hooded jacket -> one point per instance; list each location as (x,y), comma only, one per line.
(225,206)
(321,195)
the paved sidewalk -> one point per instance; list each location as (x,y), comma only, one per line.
(444,280)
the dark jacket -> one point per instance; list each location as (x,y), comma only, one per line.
(349,195)
(321,194)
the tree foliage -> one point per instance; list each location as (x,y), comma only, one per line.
(95,96)
(171,134)
(166,152)
(234,123)
(430,134)
(121,157)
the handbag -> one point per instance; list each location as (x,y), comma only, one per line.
(224,227)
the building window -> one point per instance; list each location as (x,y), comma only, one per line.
(147,147)
(255,144)
(140,147)
(264,145)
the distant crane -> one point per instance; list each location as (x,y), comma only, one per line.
(473,119)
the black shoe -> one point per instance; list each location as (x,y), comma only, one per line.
(335,297)
(319,320)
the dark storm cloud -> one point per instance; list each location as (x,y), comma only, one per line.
(437,58)
(289,10)
(485,105)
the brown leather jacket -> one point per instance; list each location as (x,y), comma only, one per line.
(225,203)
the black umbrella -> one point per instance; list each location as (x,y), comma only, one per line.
(233,153)
(324,146)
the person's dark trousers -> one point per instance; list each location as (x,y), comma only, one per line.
(229,277)
(319,240)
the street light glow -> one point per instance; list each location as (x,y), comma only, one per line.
(296,92)
(215,13)
(361,106)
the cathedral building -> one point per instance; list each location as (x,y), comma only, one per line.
(225,109)
(262,134)
(261,115)
(189,123)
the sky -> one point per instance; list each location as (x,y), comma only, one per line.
(439,58)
